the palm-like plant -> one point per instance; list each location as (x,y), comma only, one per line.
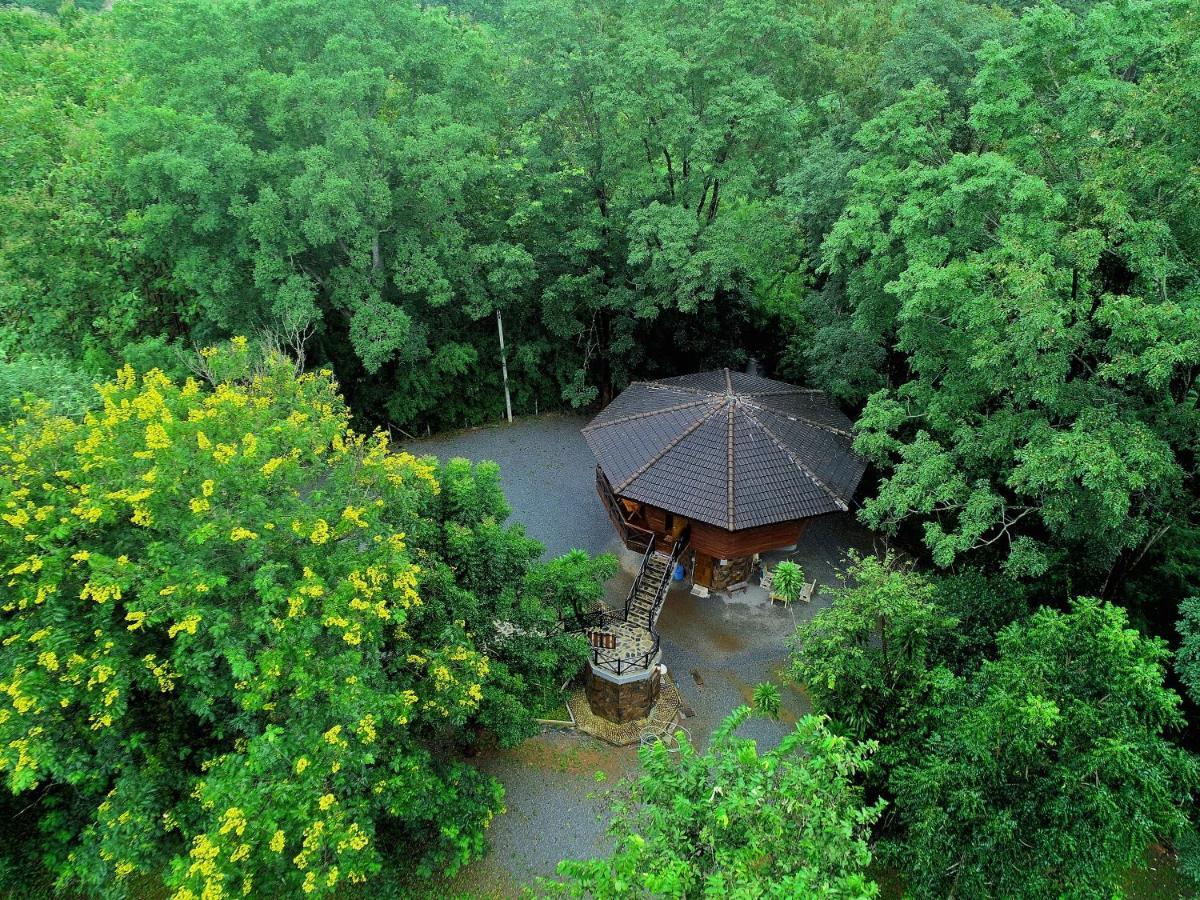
(787,581)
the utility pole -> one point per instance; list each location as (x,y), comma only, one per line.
(504,366)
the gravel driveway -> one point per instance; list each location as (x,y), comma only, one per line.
(548,475)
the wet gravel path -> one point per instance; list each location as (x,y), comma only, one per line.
(715,649)
(548,475)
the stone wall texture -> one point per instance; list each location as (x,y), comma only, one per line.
(622,702)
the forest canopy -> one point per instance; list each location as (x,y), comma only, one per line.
(969,223)
(244,243)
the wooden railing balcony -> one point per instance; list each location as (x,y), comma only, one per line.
(634,536)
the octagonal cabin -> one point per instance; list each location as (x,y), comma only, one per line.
(733,463)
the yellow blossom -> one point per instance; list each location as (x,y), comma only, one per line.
(234,820)
(101,593)
(188,624)
(156,437)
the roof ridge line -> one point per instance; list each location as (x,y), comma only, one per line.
(663,386)
(643,414)
(833,429)
(665,450)
(845,507)
(790,390)
(729,475)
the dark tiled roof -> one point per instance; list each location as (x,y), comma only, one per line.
(727,448)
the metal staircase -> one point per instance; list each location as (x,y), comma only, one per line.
(650,589)
(628,639)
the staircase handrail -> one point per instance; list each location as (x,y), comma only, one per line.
(637,581)
(598,618)
(660,594)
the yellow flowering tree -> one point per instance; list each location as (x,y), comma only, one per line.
(239,642)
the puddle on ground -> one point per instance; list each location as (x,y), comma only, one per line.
(685,616)
(729,643)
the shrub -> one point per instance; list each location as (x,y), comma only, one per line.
(731,822)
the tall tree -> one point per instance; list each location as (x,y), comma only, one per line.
(656,131)
(240,642)
(68,263)
(338,166)
(1051,766)
(1041,286)
(865,659)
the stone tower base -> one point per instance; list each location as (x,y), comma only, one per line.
(622,698)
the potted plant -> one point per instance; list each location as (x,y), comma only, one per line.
(787,582)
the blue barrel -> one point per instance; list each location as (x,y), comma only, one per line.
(679,571)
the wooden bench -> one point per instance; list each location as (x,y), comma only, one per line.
(806,592)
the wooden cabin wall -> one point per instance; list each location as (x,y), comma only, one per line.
(721,544)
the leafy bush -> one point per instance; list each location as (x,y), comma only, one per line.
(729,822)
(788,580)
(239,641)
(1050,766)
(57,382)
(867,656)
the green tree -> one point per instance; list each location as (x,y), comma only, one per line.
(239,642)
(1051,766)
(865,659)
(1032,270)
(69,276)
(359,185)
(1187,658)
(732,822)
(657,132)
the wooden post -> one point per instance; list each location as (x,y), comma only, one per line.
(504,366)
